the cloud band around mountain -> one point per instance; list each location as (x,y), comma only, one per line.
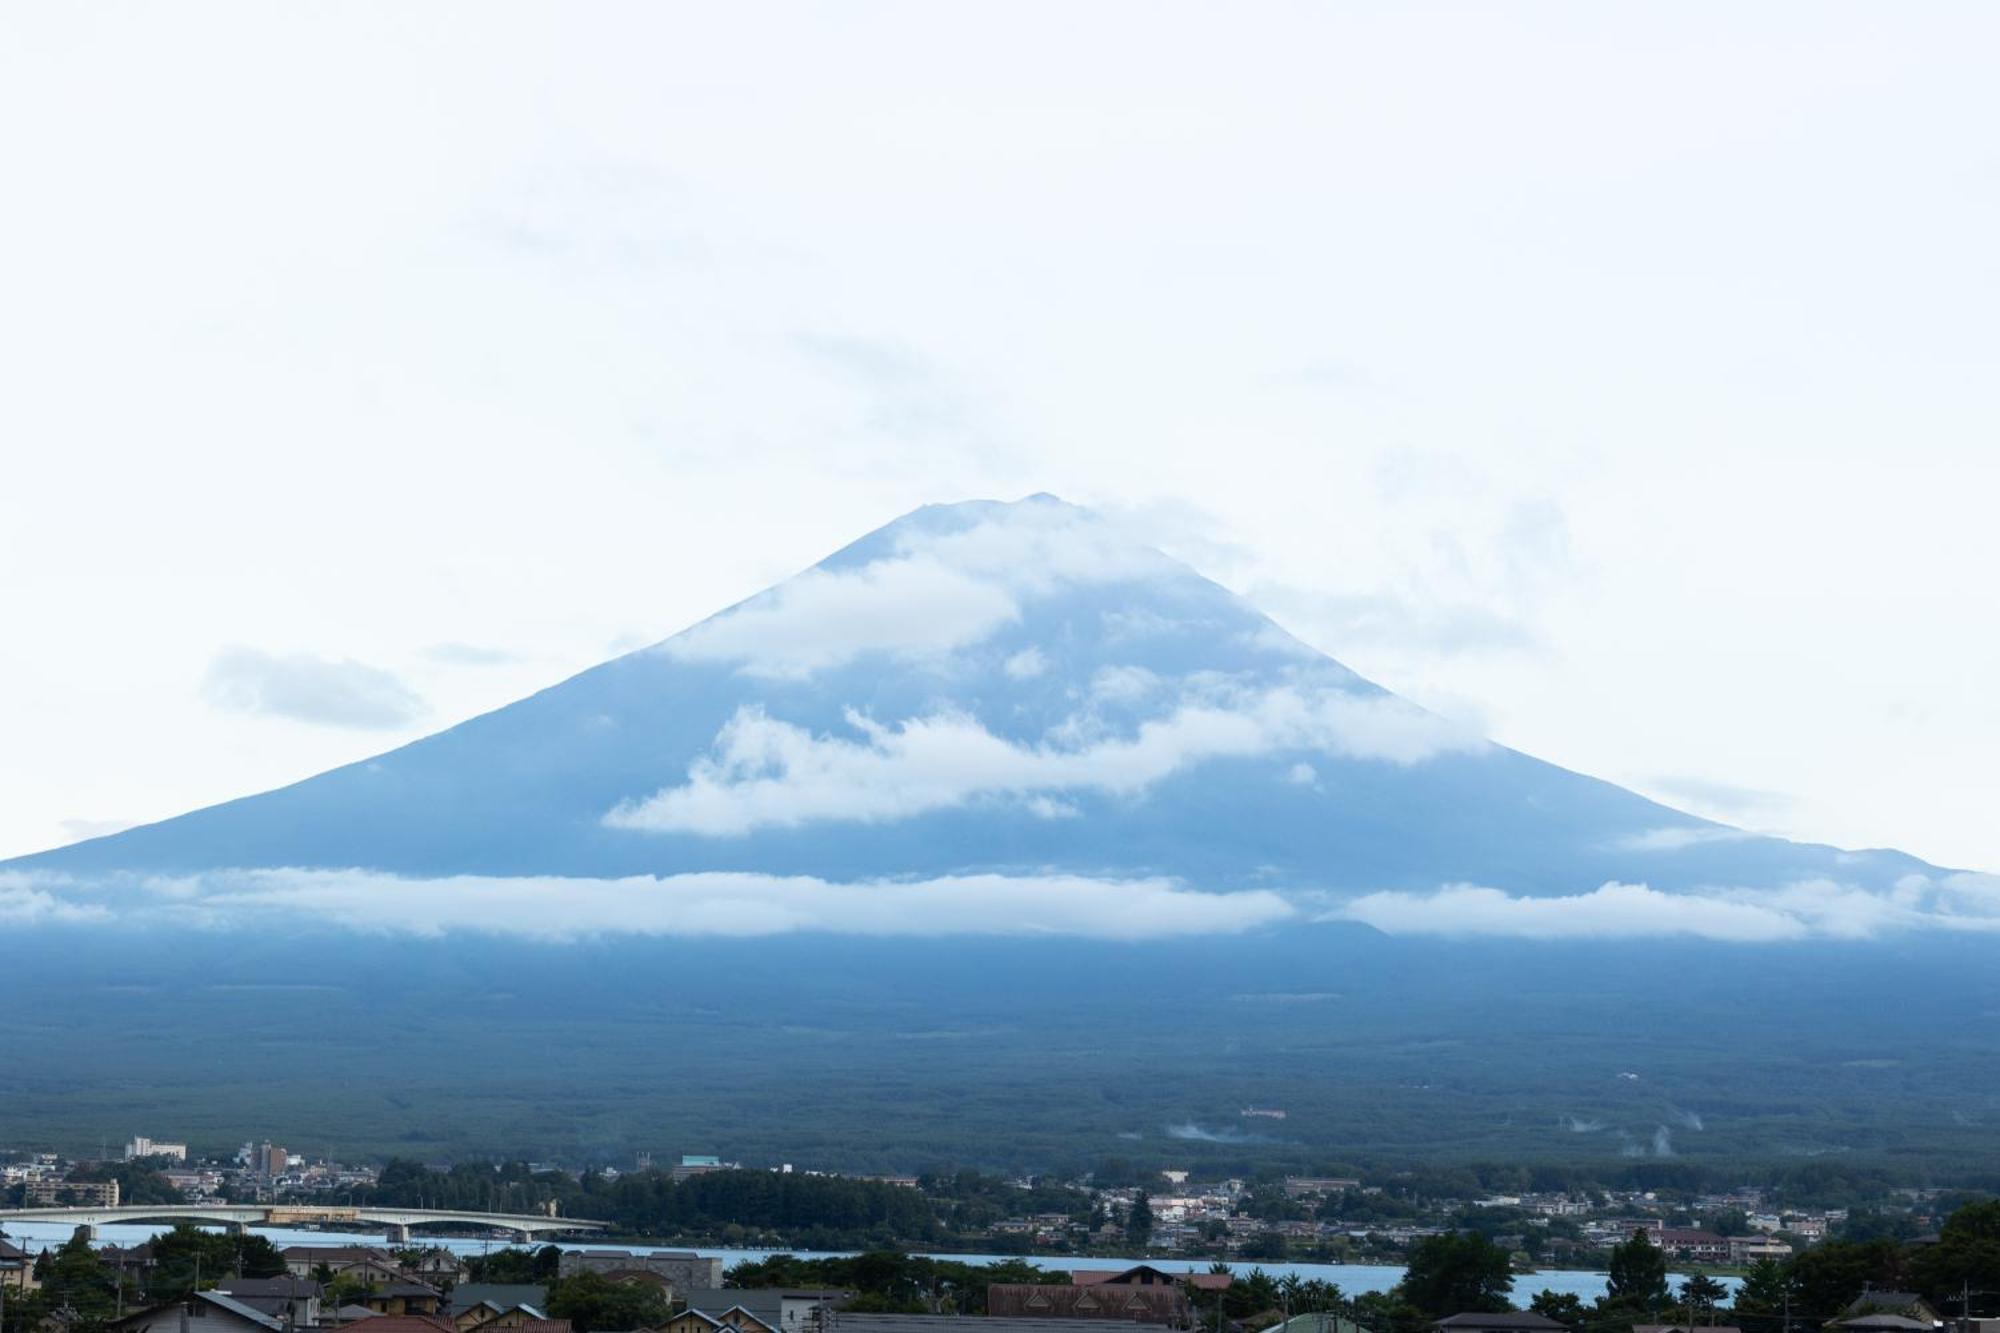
(768,773)
(1809,909)
(739,904)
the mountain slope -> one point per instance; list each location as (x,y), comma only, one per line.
(976,687)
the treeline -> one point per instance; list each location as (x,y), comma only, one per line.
(891,1282)
(726,1205)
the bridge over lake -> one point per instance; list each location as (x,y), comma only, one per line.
(394,1222)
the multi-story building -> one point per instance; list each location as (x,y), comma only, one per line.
(141,1146)
(81,1193)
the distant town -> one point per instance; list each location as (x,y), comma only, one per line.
(466,1246)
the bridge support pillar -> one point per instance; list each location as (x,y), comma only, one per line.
(399,1233)
(524,1237)
(234,1228)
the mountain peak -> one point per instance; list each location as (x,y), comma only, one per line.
(1021,688)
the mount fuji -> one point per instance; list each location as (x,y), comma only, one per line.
(1002,690)
(999,804)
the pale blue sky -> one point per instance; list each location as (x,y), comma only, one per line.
(1616,377)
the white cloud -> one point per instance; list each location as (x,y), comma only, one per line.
(80,830)
(708,904)
(1302,774)
(1613,910)
(1674,837)
(335,693)
(1805,910)
(23,904)
(1122,684)
(470,654)
(767,773)
(908,607)
(1026,664)
(936,593)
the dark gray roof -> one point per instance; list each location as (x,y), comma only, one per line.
(298,1287)
(1894,1322)
(499,1295)
(238,1308)
(850,1322)
(767,1303)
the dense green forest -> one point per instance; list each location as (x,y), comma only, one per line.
(991,1054)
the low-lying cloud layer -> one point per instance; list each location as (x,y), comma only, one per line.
(709,904)
(336,693)
(1811,909)
(766,773)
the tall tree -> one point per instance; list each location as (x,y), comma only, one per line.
(1638,1273)
(1701,1294)
(1565,1307)
(1139,1221)
(1459,1272)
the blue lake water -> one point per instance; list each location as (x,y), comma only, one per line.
(1353,1279)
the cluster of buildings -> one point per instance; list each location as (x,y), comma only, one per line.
(262,1171)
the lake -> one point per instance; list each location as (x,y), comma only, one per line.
(1353,1279)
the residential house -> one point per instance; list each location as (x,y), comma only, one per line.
(1906,1303)
(684,1270)
(735,1319)
(437,1266)
(514,1317)
(1145,1275)
(304,1260)
(290,1300)
(17,1268)
(786,1309)
(1511,1321)
(1881,1323)
(1142,1294)
(1321,1321)
(406,1323)
(474,1303)
(402,1297)
(848,1321)
(203,1312)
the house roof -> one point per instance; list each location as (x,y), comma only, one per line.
(1096,1277)
(727,1317)
(1887,1323)
(868,1322)
(238,1308)
(167,1315)
(1509,1319)
(499,1295)
(409,1323)
(767,1303)
(1885,1300)
(287,1285)
(1321,1321)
